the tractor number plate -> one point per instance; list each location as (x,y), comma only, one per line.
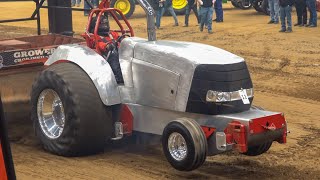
(244,96)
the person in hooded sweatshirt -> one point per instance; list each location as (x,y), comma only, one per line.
(312,6)
(285,15)
(302,15)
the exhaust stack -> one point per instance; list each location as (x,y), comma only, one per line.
(151,28)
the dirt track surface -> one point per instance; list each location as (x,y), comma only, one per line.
(286,74)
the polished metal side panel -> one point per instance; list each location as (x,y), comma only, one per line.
(171,62)
(97,68)
(126,53)
(153,85)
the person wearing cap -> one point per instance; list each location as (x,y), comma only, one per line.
(302,15)
(87,7)
(219,11)
(274,11)
(192,5)
(206,14)
(311,4)
(168,7)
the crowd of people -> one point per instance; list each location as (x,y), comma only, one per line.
(203,10)
(284,8)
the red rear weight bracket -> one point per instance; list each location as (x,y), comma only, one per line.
(236,134)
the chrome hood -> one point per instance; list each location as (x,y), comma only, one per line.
(193,53)
(174,63)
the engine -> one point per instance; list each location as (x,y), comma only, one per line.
(184,76)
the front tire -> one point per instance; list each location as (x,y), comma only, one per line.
(64,96)
(184,144)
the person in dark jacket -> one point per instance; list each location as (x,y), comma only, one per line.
(159,8)
(87,10)
(301,8)
(168,7)
(274,11)
(206,14)
(219,11)
(285,14)
(311,4)
(192,5)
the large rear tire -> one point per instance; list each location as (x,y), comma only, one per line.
(244,4)
(258,149)
(235,3)
(127,7)
(257,5)
(68,115)
(184,144)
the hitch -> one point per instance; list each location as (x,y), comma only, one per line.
(236,135)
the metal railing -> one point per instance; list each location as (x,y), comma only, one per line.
(36,13)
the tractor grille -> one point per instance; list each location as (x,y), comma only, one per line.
(225,78)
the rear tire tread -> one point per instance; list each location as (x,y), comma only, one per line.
(88,122)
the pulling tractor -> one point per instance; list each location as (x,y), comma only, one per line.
(197,98)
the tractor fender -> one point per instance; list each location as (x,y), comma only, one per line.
(97,68)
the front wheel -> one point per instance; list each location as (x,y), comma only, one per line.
(68,115)
(184,144)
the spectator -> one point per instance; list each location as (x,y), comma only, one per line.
(302,15)
(95,4)
(206,14)
(159,7)
(311,4)
(168,7)
(219,11)
(285,15)
(192,5)
(75,2)
(274,11)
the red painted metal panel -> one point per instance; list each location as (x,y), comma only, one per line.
(264,124)
(3,172)
(126,120)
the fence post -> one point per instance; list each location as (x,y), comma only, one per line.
(60,19)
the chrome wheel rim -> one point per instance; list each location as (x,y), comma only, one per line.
(177,146)
(50,112)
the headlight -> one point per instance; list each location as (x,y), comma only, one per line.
(218,96)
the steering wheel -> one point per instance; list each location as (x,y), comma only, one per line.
(120,38)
